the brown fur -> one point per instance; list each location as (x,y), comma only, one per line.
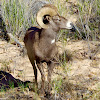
(40,49)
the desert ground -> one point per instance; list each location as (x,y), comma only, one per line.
(77,78)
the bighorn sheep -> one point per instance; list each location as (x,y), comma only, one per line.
(41,42)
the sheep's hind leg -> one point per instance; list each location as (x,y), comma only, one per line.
(35,72)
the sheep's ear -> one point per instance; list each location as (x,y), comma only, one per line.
(46,19)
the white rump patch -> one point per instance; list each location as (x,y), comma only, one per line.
(52,41)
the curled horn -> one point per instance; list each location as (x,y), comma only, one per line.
(47,10)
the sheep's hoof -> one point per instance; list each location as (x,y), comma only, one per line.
(47,94)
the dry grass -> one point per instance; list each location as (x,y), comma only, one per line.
(78,77)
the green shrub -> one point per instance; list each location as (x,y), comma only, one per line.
(89,14)
(15,16)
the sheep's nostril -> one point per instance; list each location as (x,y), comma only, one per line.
(73,29)
(71,26)
(68,25)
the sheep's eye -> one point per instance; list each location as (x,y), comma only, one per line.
(59,19)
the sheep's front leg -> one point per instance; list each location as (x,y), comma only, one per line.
(41,69)
(50,66)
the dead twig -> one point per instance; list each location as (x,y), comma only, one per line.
(15,40)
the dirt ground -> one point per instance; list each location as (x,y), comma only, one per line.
(80,76)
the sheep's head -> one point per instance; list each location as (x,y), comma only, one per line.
(48,15)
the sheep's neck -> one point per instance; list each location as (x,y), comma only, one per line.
(49,33)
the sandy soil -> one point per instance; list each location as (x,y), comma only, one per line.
(81,71)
